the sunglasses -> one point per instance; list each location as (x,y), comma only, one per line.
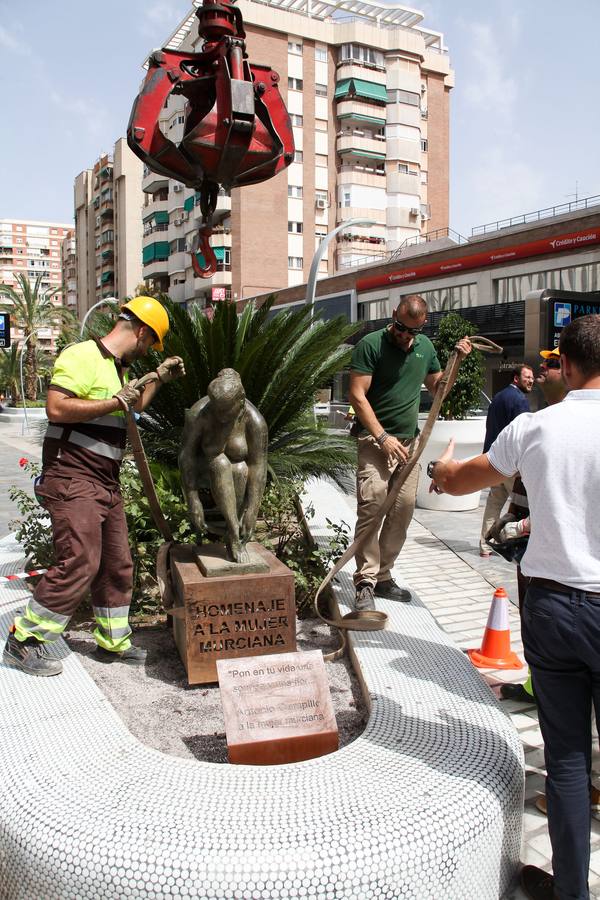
(401,327)
(552,363)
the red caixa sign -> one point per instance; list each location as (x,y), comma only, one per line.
(218,293)
(574,240)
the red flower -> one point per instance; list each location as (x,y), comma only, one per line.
(23,461)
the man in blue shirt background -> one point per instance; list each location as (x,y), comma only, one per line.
(506,406)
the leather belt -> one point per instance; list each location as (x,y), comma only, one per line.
(557,586)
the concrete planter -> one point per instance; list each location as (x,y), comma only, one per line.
(468,435)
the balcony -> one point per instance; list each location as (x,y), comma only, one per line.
(177,292)
(362,173)
(179,262)
(355,110)
(365,146)
(156,268)
(153,182)
(359,212)
(353,69)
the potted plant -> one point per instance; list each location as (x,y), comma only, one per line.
(456,419)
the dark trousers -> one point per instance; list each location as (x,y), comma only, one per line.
(91,543)
(561,636)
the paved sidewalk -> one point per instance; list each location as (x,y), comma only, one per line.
(441,562)
(13,445)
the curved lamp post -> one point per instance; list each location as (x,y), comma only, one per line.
(102,302)
(314,266)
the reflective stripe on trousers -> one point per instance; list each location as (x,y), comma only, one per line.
(112,627)
(40,622)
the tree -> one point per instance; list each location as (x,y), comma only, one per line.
(10,362)
(465,395)
(32,308)
(282,360)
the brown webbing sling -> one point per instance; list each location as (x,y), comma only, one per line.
(372,619)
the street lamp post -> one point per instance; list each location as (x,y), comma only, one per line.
(314,267)
(102,302)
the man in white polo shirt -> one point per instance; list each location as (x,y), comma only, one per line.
(556,451)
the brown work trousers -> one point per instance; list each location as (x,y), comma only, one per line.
(91,544)
(376,557)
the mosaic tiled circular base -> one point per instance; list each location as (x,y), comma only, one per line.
(424,805)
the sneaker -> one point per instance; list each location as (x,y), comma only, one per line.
(537,884)
(364,596)
(392,591)
(485,554)
(134,656)
(30,656)
(516,692)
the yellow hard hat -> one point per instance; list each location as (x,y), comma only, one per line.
(151,313)
(550,354)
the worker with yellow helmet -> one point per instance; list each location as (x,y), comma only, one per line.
(88,399)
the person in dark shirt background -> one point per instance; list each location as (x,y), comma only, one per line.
(506,406)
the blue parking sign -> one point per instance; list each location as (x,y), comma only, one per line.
(562,314)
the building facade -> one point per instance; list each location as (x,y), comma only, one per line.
(32,249)
(367,89)
(108,227)
(486,279)
(69,270)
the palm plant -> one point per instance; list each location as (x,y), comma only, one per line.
(32,308)
(10,365)
(282,360)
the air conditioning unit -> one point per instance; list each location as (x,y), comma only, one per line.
(321,203)
(178,221)
(177,188)
(414,211)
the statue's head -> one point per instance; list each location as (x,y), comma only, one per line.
(227,396)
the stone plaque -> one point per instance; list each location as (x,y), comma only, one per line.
(277,708)
(228,616)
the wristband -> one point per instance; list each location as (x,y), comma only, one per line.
(382,438)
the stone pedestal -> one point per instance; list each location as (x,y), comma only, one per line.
(225,617)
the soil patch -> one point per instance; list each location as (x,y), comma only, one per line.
(162,711)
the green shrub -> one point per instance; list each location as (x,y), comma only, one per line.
(466,393)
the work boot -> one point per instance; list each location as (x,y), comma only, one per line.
(537,884)
(364,596)
(392,591)
(30,656)
(134,656)
(516,692)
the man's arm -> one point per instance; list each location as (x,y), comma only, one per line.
(359,386)
(66,410)
(464,477)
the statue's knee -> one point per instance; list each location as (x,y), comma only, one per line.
(219,464)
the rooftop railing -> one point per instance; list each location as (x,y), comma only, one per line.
(537,215)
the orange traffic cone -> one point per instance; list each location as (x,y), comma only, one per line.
(495,652)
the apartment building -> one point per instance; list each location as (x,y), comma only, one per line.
(69,270)
(367,88)
(32,249)
(108,227)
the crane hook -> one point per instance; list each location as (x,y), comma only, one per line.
(207,252)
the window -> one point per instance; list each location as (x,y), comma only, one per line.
(295,84)
(424,145)
(295,262)
(404,97)
(423,176)
(295,47)
(294,227)
(321,54)
(403,167)
(296,120)
(346,199)
(320,124)
(322,197)
(295,190)
(298,156)
(321,90)
(363,55)
(320,160)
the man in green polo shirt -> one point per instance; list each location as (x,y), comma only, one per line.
(387,370)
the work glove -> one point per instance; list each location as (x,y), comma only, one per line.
(129,394)
(514,530)
(170,369)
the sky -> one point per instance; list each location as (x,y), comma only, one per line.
(524,120)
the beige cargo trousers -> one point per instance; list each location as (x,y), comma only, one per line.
(376,557)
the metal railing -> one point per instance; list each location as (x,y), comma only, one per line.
(394,255)
(538,214)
